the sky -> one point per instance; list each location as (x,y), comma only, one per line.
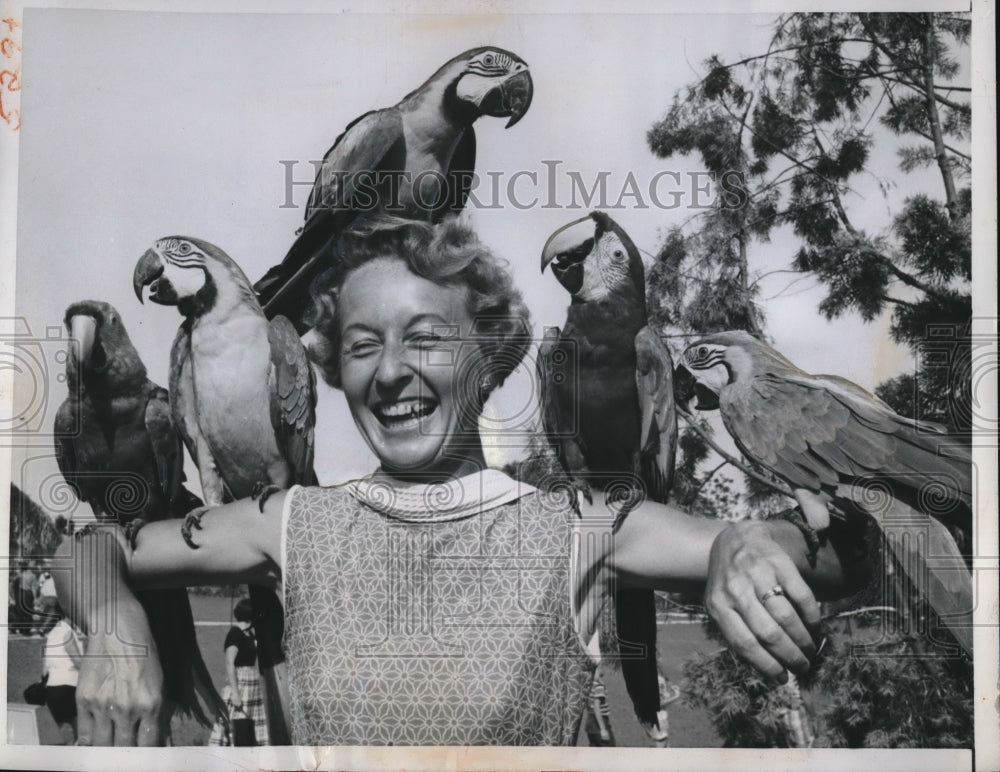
(142,125)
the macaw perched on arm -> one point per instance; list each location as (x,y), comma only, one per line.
(607,400)
(415,159)
(243,399)
(842,449)
(118,449)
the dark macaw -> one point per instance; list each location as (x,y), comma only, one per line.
(607,400)
(243,398)
(842,449)
(118,449)
(414,160)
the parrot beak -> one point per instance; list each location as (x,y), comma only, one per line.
(147,271)
(684,385)
(512,97)
(567,249)
(83,333)
(706,386)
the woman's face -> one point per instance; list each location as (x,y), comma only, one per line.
(401,360)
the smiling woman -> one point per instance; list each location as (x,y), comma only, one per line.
(418,324)
(434,602)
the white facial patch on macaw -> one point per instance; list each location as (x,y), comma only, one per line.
(606,268)
(704,356)
(714,378)
(739,361)
(183,266)
(482,75)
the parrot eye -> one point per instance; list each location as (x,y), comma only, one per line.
(184,249)
(488,59)
(702,352)
(619,253)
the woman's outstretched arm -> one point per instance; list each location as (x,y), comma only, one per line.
(737,565)
(119,693)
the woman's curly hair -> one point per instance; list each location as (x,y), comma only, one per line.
(449,254)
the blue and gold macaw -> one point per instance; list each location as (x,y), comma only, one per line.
(841,449)
(415,159)
(243,398)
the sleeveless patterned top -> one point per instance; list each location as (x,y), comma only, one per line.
(416,619)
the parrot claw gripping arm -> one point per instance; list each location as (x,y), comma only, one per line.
(262,492)
(132,530)
(192,521)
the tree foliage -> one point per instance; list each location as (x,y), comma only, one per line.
(32,532)
(866,671)
(796,126)
(795,129)
(786,134)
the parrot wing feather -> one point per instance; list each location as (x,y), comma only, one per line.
(556,371)
(293,398)
(460,174)
(917,456)
(66,456)
(544,370)
(658,437)
(167,452)
(371,143)
(813,434)
(182,409)
(361,147)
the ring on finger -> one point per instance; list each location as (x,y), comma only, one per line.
(774,592)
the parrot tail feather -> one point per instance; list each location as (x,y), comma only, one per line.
(635,622)
(937,571)
(185,675)
(926,552)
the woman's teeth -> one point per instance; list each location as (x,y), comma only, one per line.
(399,413)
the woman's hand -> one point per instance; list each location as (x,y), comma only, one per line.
(759,599)
(118,695)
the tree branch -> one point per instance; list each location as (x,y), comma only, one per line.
(813,44)
(925,135)
(928,91)
(898,301)
(781,151)
(909,279)
(945,145)
(920,89)
(708,477)
(710,441)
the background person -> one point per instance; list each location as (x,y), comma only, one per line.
(48,601)
(61,662)
(24,594)
(243,694)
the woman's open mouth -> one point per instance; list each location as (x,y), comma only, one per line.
(404,413)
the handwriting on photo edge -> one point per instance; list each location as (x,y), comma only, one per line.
(10,76)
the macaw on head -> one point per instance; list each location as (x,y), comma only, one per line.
(488,81)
